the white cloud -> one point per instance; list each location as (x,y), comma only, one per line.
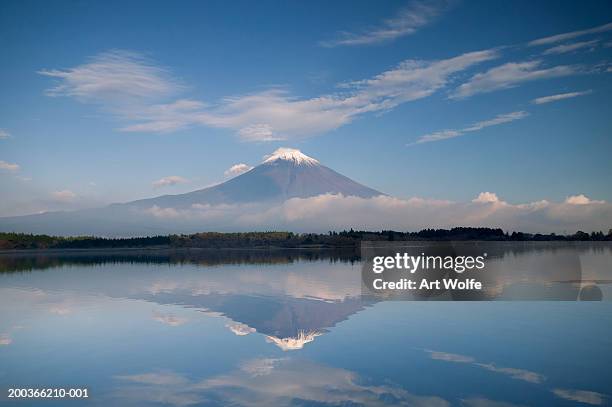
(510,75)
(4,134)
(581,396)
(64,196)
(337,212)
(486,197)
(499,119)
(581,200)
(564,48)
(114,77)
(8,166)
(416,15)
(169,181)
(560,96)
(258,132)
(275,115)
(451,133)
(569,35)
(133,95)
(237,169)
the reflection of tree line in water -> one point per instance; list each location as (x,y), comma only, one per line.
(15,262)
(38,260)
(520,270)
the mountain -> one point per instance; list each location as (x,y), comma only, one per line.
(287,173)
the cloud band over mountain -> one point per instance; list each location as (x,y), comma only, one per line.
(336,212)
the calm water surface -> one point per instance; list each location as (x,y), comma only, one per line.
(290,328)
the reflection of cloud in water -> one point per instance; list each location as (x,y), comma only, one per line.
(316,283)
(240,329)
(519,374)
(6,338)
(581,396)
(450,357)
(259,367)
(294,343)
(483,402)
(169,319)
(270,382)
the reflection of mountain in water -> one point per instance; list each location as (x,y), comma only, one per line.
(290,296)
(297,320)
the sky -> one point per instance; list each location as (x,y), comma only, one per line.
(111,101)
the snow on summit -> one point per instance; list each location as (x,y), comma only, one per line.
(291,154)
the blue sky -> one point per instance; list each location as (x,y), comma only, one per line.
(433,99)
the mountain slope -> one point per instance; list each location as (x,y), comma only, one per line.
(285,174)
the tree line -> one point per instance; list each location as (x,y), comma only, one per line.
(345,238)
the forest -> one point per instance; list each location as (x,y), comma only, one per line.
(333,239)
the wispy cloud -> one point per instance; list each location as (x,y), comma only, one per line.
(560,96)
(169,181)
(237,169)
(9,166)
(510,75)
(114,77)
(564,48)
(451,133)
(570,35)
(407,21)
(4,134)
(274,114)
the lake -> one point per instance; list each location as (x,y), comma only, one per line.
(268,328)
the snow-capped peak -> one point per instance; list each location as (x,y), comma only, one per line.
(294,343)
(290,154)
